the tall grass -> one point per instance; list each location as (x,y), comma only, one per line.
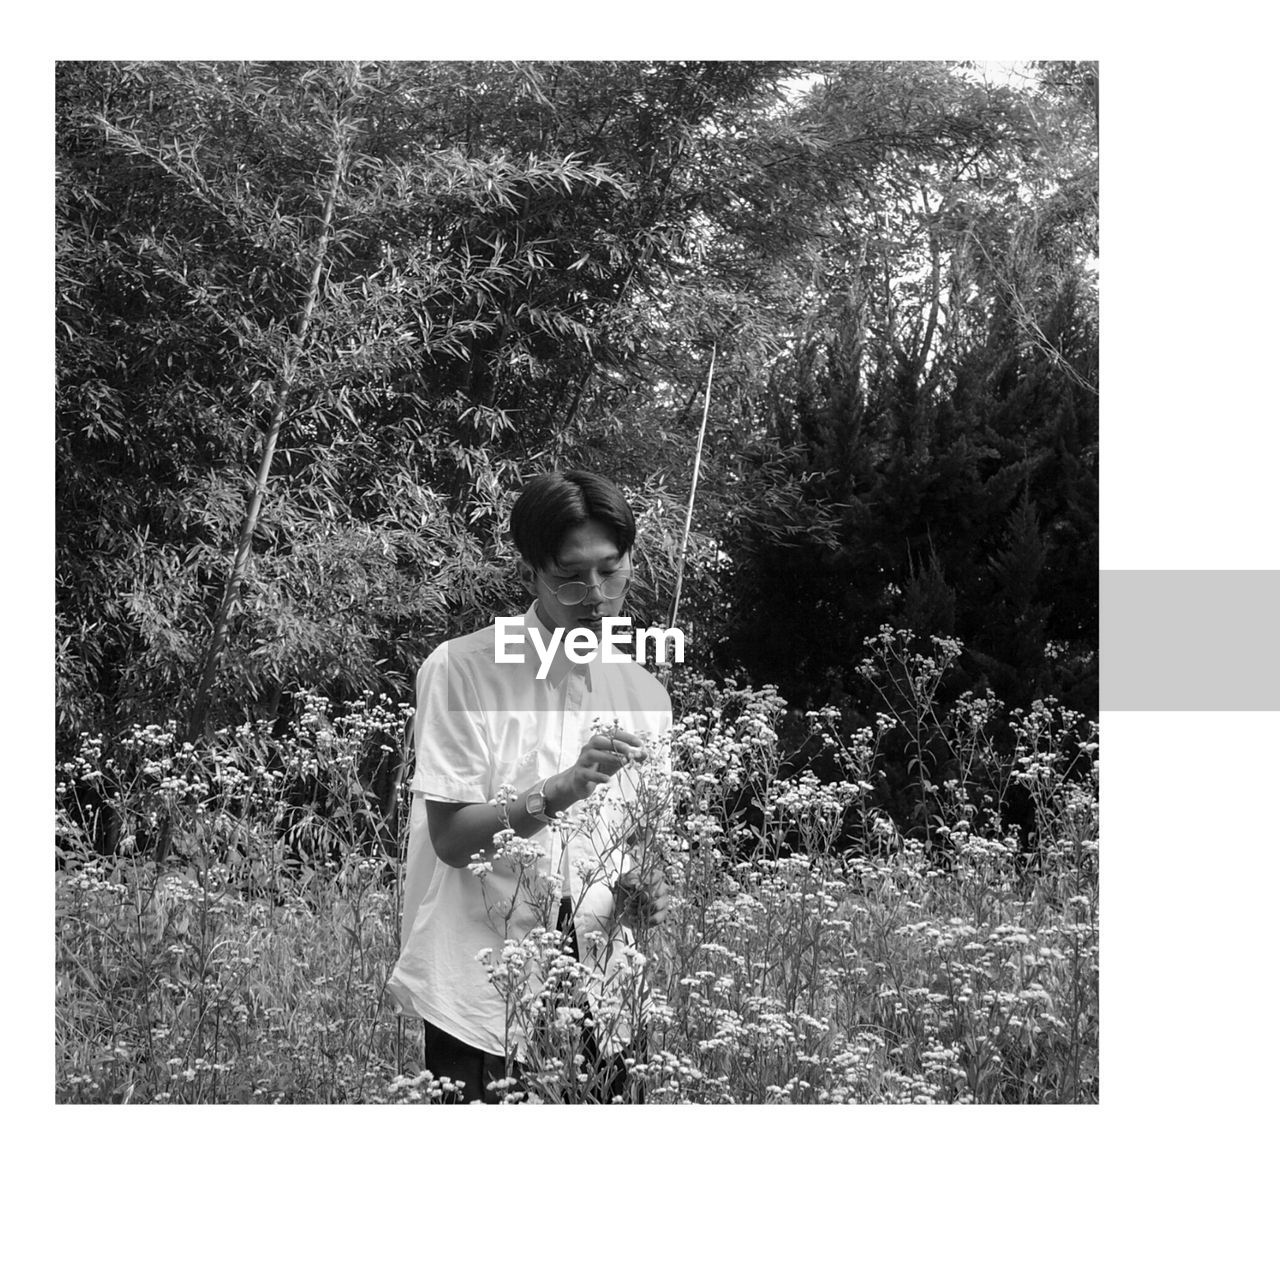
(228,916)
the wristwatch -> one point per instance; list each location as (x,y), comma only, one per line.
(536,803)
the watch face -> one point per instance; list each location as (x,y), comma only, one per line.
(535,802)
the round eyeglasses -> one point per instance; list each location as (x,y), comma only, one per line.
(611,587)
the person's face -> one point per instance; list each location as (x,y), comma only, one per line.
(588,555)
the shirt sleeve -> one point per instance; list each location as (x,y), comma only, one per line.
(452,759)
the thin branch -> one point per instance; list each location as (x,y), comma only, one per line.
(231,593)
(693,489)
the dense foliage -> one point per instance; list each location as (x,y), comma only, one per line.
(316,321)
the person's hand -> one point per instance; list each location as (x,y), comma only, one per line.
(603,755)
(641,898)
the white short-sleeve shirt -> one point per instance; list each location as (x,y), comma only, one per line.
(480,725)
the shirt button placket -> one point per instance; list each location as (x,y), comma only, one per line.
(570,742)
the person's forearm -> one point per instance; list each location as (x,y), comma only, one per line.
(471,828)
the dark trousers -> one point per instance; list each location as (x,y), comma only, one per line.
(473,1069)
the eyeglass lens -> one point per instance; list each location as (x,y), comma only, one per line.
(610,589)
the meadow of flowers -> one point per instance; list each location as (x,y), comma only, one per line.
(228,914)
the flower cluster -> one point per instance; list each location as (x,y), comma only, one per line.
(228,913)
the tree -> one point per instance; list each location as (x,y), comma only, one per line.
(943,371)
(318,321)
(246,257)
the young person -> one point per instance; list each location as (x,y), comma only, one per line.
(506,747)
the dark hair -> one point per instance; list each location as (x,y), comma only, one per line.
(551,504)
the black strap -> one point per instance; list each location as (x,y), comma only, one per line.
(564,926)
